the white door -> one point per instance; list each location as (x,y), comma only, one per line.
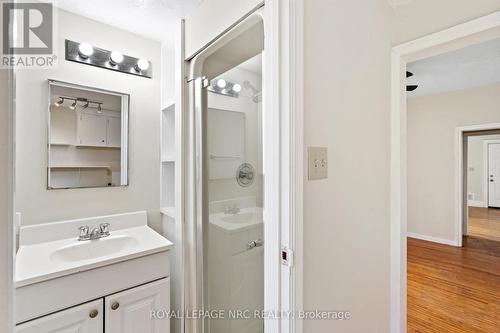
(494,175)
(130,311)
(85,318)
(114,132)
(92,130)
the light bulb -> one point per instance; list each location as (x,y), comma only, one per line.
(59,102)
(115,58)
(236,88)
(73,106)
(85,50)
(142,65)
(221,83)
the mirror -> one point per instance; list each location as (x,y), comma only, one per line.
(226,143)
(87,137)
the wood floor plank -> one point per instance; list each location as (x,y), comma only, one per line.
(454,290)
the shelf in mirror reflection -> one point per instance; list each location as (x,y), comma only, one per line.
(106,167)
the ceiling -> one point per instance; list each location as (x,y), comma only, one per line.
(149,18)
(470,67)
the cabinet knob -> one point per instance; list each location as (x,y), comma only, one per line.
(93,313)
(115,306)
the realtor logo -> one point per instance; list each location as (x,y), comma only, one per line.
(27,34)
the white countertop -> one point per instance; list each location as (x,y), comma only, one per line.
(36,262)
(255,219)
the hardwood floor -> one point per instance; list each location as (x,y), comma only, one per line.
(452,289)
(484,223)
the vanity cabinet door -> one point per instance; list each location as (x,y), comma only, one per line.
(130,311)
(85,318)
(92,130)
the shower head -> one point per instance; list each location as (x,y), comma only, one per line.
(256,94)
(248,85)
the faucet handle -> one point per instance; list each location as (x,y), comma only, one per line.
(84,231)
(104,228)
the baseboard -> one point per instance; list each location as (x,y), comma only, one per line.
(432,239)
(476,203)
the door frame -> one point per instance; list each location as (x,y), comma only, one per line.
(460,190)
(400,56)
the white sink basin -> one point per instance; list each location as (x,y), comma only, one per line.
(248,217)
(93,249)
(52,250)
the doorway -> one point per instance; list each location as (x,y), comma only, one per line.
(232,235)
(469,33)
(482,185)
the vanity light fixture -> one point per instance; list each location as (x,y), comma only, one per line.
(115,58)
(59,102)
(86,105)
(73,106)
(142,65)
(87,54)
(85,50)
(99,109)
(221,83)
(236,87)
(225,88)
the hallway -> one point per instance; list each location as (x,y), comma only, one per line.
(484,223)
(453,290)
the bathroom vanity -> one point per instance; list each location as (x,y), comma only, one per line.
(110,284)
(236,263)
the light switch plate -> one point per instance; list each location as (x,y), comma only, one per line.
(318,163)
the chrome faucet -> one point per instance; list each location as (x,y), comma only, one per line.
(232,209)
(98,232)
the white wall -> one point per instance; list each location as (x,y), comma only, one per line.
(432,121)
(211,19)
(475,169)
(346,221)
(223,189)
(38,205)
(423,17)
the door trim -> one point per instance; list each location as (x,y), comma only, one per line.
(400,56)
(460,190)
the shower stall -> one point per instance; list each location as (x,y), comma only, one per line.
(225,233)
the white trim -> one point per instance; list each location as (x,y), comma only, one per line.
(272,131)
(398,153)
(459,190)
(292,150)
(431,239)
(476,203)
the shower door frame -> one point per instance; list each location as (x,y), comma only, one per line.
(282,82)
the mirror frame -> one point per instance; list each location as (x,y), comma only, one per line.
(125,125)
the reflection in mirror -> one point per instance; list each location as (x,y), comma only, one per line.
(234,248)
(87,137)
